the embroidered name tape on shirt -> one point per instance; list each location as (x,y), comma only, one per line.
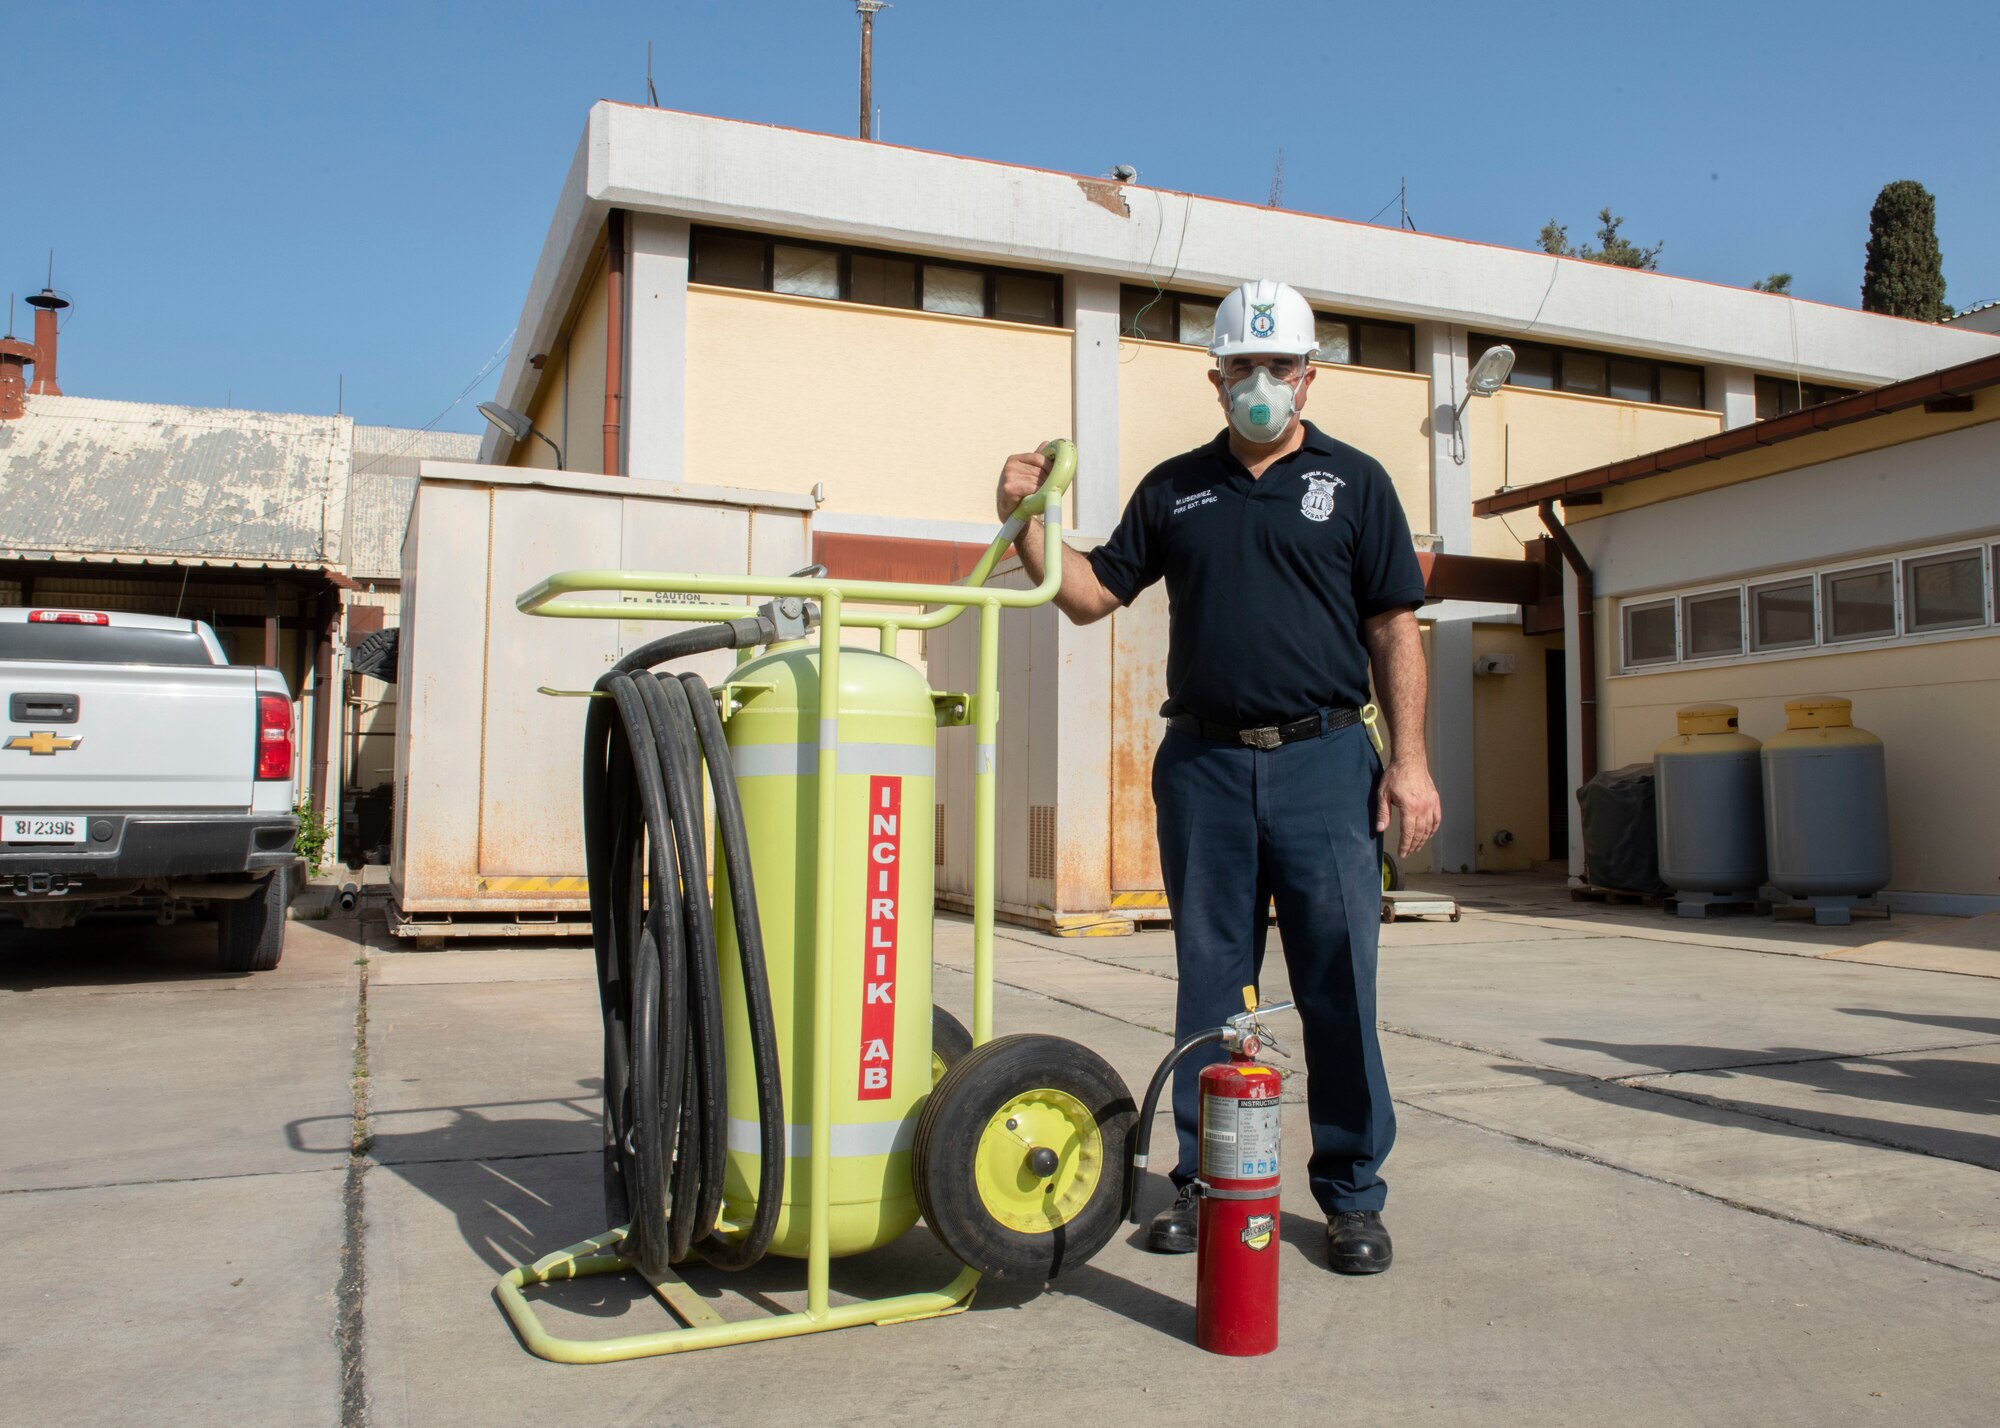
(1198,499)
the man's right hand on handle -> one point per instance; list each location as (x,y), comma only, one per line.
(1020,478)
(1081,596)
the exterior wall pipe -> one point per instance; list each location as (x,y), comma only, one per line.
(1586,642)
(323,697)
(614,343)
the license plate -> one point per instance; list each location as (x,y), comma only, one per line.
(43,828)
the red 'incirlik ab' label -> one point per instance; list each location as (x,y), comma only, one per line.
(878,967)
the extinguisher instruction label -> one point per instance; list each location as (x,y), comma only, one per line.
(878,954)
(1239,1139)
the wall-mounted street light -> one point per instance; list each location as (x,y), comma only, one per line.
(1489,374)
(517,427)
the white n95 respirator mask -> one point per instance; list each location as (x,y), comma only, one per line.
(1260,407)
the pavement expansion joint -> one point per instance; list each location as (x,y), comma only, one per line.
(966,972)
(1566,1152)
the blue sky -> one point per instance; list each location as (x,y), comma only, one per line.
(249,202)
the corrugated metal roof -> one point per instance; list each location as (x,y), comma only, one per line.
(385,485)
(81,477)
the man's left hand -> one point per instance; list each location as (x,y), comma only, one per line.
(1407,789)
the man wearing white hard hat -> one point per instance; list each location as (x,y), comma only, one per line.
(1290,576)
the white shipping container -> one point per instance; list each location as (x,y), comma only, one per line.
(488,770)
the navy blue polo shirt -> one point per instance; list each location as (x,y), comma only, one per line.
(1268,578)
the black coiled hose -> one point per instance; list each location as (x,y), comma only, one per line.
(666,1099)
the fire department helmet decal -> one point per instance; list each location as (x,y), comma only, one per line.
(1317,503)
(1262,323)
(1257,1231)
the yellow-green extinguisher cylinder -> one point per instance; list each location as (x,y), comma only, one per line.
(884,885)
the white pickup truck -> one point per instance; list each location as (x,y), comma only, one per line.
(141,771)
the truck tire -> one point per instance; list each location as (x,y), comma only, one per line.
(250,932)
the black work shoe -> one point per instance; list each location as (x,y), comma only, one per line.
(1173,1227)
(1357,1242)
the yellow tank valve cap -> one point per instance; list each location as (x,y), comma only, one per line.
(1819,711)
(1707,719)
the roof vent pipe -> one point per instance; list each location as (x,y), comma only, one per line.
(46,305)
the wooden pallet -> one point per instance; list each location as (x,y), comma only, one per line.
(1401,904)
(1617,897)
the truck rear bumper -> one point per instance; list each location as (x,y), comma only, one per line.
(174,845)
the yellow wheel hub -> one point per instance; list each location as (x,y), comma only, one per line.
(1011,1168)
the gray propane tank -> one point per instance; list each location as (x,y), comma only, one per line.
(1709,791)
(1826,803)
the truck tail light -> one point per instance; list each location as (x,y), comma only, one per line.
(274,736)
(68,617)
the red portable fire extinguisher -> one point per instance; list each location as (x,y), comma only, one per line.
(1236,1244)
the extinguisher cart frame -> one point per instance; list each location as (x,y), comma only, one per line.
(558,597)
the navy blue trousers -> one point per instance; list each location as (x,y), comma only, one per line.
(1239,829)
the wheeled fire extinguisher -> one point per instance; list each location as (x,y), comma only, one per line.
(1236,1244)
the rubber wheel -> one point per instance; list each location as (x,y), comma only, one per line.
(950,1043)
(1392,873)
(250,931)
(978,1137)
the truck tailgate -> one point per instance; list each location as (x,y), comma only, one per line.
(141,736)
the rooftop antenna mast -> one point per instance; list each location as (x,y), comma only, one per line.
(652,94)
(1277,182)
(866,10)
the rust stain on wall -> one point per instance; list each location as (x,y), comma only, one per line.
(1106,194)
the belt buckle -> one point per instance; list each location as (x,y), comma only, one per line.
(1268,736)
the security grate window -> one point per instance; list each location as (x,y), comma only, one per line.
(1858,604)
(937,838)
(1944,592)
(1782,614)
(1712,625)
(1912,595)
(1649,634)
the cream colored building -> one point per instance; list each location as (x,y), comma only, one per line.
(1852,549)
(786,310)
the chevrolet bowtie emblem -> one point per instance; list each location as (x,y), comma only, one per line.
(42,742)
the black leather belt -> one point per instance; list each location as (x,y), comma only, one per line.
(1267,736)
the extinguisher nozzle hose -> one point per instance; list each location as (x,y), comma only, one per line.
(659,968)
(1142,1138)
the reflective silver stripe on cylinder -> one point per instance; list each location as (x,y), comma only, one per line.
(802,760)
(984,763)
(857,1139)
(829,733)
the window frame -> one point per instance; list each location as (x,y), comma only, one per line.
(1626,610)
(1750,591)
(1818,580)
(1172,298)
(1907,611)
(1683,626)
(991,274)
(1476,344)
(1827,577)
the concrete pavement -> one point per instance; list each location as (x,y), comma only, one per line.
(1667,1172)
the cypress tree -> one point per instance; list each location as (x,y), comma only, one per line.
(1904,275)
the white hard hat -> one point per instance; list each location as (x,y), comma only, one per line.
(1264,316)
